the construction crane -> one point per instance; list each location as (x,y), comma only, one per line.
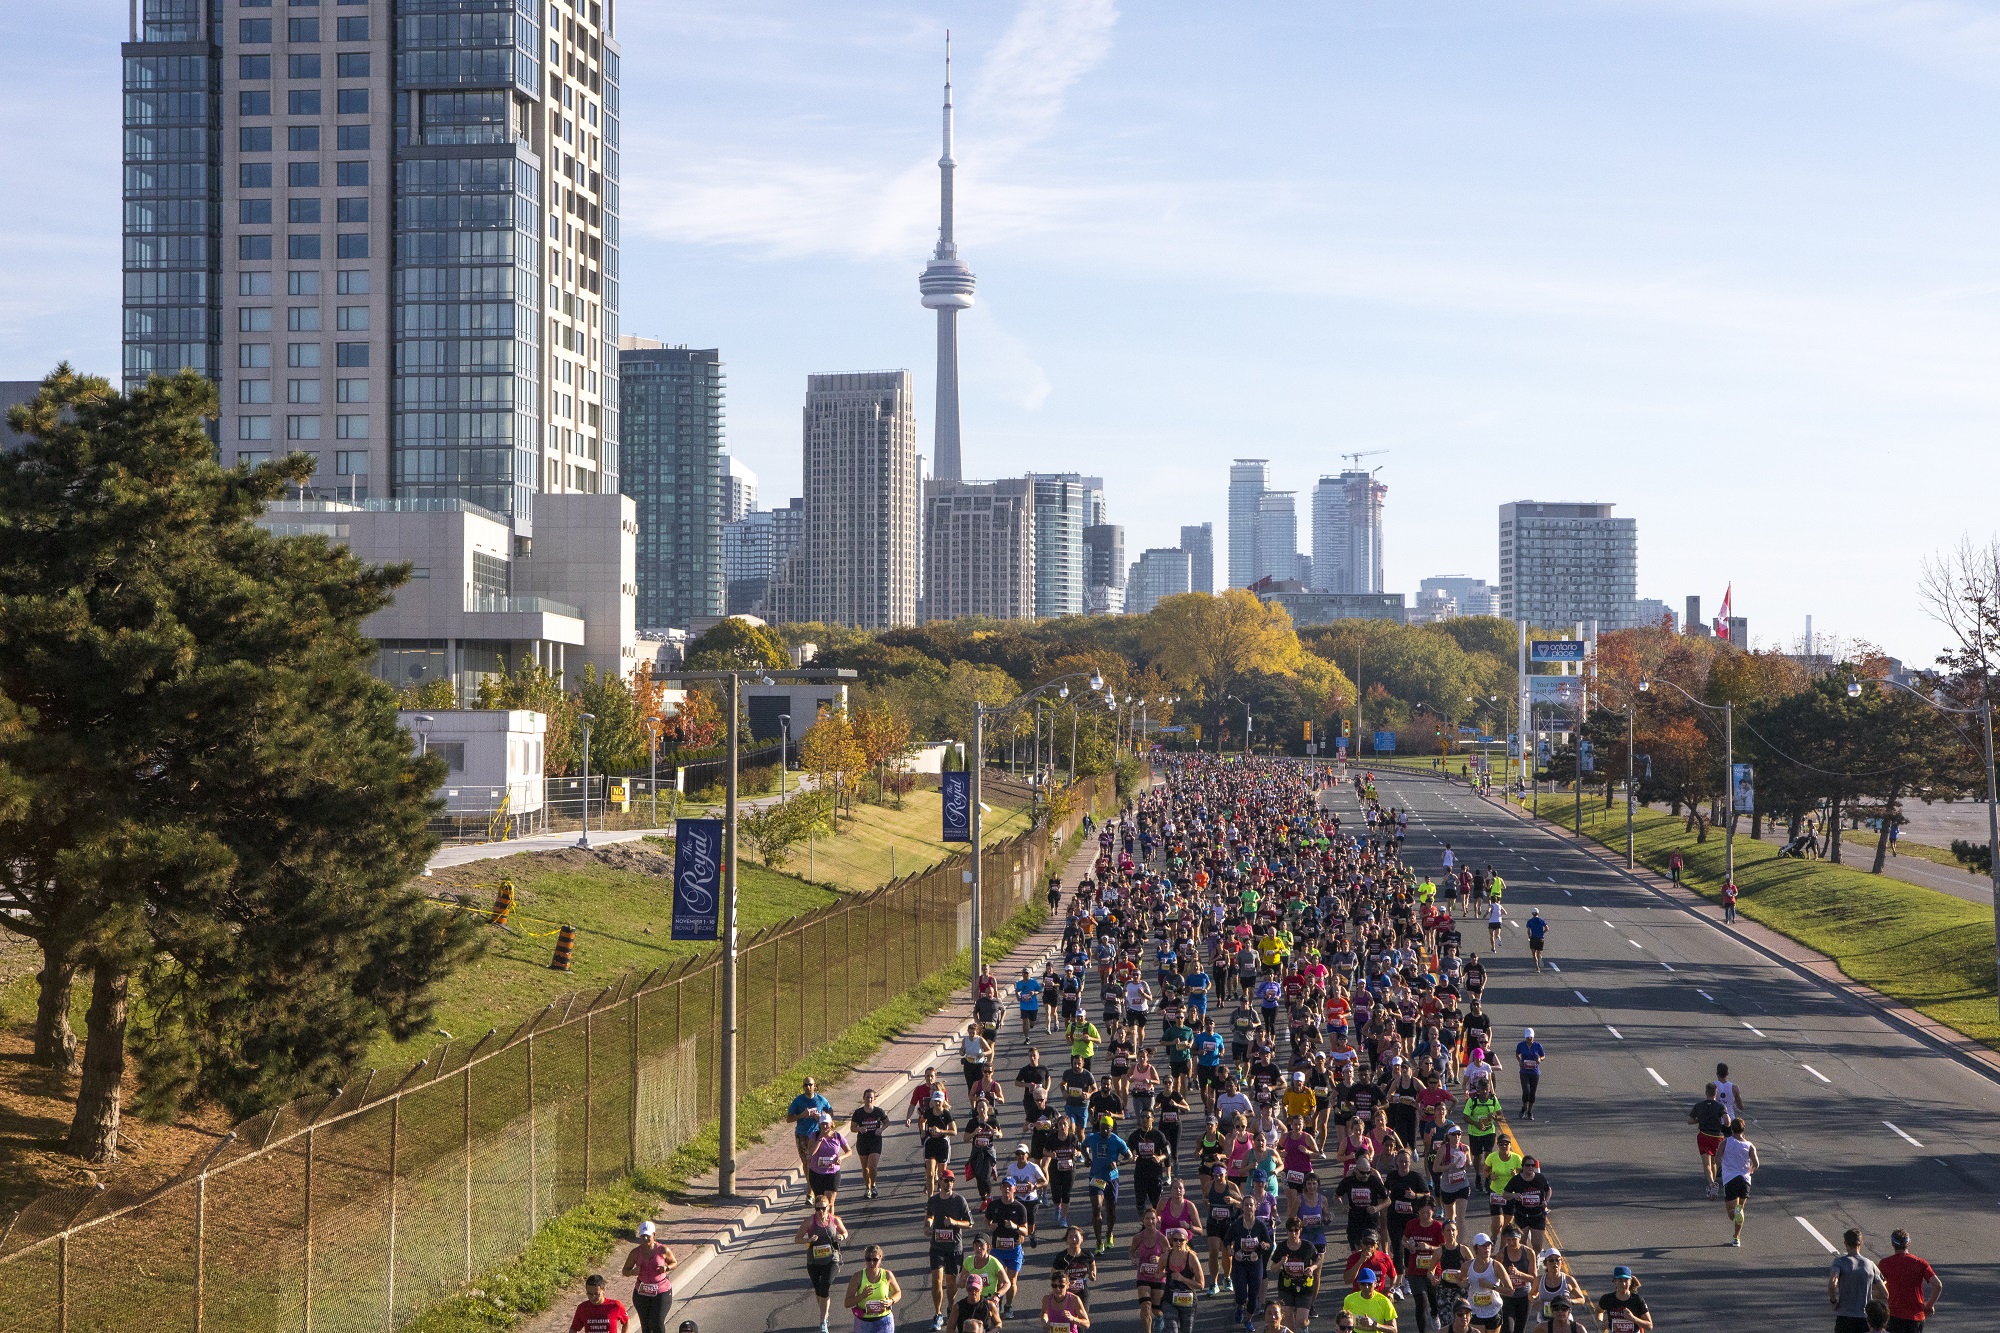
(1365,453)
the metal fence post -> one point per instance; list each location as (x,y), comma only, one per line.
(465,1107)
(777,950)
(825,1019)
(589,1082)
(395,1126)
(534,1185)
(308,1283)
(847,963)
(632,1117)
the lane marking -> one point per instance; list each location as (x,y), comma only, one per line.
(1614,1032)
(1609,926)
(1668,966)
(1634,943)
(1816,1074)
(1904,1137)
(1580,995)
(1588,910)
(1656,1076)
(1554,968)
(1704,994)
(1552,879)
(1813,1231)
(1568,894)
(1753,1029)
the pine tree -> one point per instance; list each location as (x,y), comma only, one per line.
(221,813)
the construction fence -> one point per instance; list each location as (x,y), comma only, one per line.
(359,1210)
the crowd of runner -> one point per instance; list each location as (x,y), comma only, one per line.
(1282,1097)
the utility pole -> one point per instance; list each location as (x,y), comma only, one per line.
(1631,796)
(1729,788)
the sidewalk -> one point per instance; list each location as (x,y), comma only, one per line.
(1976,1055)
(463,853)
(767,1171)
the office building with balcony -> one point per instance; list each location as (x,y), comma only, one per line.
(1568,563)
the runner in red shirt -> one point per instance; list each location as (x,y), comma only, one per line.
(1914,1286)
(599,1313)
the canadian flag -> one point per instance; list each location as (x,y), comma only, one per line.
(1722,621)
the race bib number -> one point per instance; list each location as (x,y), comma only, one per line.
(1532,1199)
(1295,1269)
(945,1236)
(647,1288)
(1296,1177)
(1184,1299)
(822,1251)
(1362,1197)
(873,1309)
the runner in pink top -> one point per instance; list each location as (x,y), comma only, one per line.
(1179,1211)
(1149,1266)
(823,1160)
(1297,1148)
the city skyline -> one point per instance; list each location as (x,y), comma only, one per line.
(1654,322)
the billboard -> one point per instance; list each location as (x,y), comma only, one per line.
(1556,650)
(1564,691)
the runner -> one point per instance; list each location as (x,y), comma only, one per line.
(803,1116)
(599,1313)
(1728,1093)
(1487,1285)
(947,1219)
(651,1265)
(1105,1151)
(823,1159)
(1077,1265)
(1501,1164)
(1538,929)
(1711,1121)
(1246,1250)
(1852,1281)
(975,1056)
(822,1233)
(1739,1165)
(1369,1308)
(1148,1251)
(1530,1191)
(1296,1263)
(868,1123)
(1063,1310)
(1008,1218)
(873,1294)
(978,1311)
(990,1275)
(1184,1278)
(1914,1286)
(1495,920)
(1623,1309)
(1028,1180)
(1028,995)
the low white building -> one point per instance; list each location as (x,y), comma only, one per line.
(493,758)
(481,601)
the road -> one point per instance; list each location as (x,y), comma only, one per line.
(1858,1123)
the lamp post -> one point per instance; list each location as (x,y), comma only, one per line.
(586,719)
(1985,712)
(1246,725)
(784,751)
(726,1083)
(1728,711)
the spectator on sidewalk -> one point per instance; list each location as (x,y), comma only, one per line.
(1729,901)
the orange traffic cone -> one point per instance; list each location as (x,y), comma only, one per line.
(503,903)
(565,948)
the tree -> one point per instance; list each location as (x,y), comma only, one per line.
(883,734)
(777,828)
(533,688)
(697,724)
(1206,645)
(435,694)
(832,755)
(618,735)
(735,644)
(219,807)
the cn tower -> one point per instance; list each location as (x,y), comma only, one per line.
(946,284)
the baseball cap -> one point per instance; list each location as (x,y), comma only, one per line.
(975,1282)
(1621,1272)
(1020,1147)
(1482,1239)
(1365,1275)
(646,1229)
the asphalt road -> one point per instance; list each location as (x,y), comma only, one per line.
(1858,1123)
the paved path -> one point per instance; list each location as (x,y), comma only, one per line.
(1863,1118)
(461,853)
(739,1266)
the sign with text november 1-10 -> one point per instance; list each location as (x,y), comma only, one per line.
(697,879)
(1555,650)
(957,789)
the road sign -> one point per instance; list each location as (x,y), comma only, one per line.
(1555,650)
(1170,731)
(1385,742)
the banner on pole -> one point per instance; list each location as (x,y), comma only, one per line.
(697,879)
(957,807)
(1586,757)
(1743,790)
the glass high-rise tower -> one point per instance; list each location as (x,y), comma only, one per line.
(388,230)
(673,468)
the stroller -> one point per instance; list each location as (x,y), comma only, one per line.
(1800,847)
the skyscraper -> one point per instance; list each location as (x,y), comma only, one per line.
(980,549)
(1198,540)
(1158,572)
(1277,529)
(739,488)
(392,239)
(856,563)
(1247,479)
(753,547)
(1104,561)
(1564,563)
(670,404)
(1061,502)
(1467,596)
(1347,533)
(946,286)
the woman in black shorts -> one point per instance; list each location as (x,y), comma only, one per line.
(981,1132)
(822,1234)
(867,1124)
(1063,1154)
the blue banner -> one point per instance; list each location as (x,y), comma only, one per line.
(1385,742)
(957,807)
(697,879)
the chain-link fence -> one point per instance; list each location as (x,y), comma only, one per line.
(356,1211)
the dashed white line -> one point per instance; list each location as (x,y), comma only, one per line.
(1554,968)
(1904,1137)
(1610,926)
(1634,943)
(1568,894)
(1580,995)
(1813,1231)
(1588,910)
(1656,1076)
(1614,1032)
(1816,1074)
(1668,966)
(1704,995)
(1753,1029)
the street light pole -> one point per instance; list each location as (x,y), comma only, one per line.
(1729,790)
(978,757)
(1631,797)
(586,719)
(784,744)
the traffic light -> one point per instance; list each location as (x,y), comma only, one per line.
(1309,731)
(1346,727)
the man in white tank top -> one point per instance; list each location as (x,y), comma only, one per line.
(1739,1164)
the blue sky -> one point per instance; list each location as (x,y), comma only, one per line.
(1728,263)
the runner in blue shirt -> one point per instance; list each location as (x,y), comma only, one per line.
(1028,992)
(1106,1150)
(1197,992)
(803,1116)
(1528,1057)
(1538,930)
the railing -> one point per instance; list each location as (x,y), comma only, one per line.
(356,1211)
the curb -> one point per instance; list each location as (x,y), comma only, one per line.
(1906,1019)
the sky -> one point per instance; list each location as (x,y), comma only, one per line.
(1727,264)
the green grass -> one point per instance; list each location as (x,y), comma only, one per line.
(860,857)
(1928,949)
(570,1246)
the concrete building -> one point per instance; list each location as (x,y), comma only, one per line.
(1198,540)
(673,468)
(478,603)
(1651,612)
(856,563)
(980,549)
(1248,478)
(1062,504)
(753,547)
(1104,569)
(1158,572)
(739,488)
(12,394)
(1347,532)
(946,286)
(1096,511)
(391,240)
(1308,608)
(1567,562)
(492,756)
(1465,596)
(1277,530)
